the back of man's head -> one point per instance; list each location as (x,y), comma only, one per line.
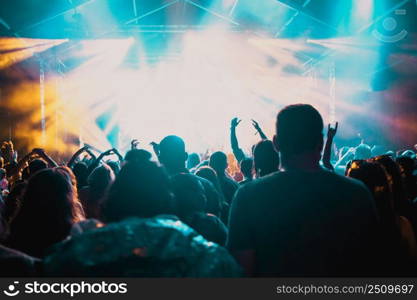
(218,161)
(172,151)
(299,130)
(37,165)
(265,158)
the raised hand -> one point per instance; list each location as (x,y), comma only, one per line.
(235,122)
(255,125)
(41,152)
(108,152)
(259,129)
(331,131)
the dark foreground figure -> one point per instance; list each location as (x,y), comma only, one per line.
(289,215)
(303,220)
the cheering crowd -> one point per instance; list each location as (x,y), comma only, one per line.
(291,207)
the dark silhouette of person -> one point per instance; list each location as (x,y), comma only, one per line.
(172,155)
(142,237)
(246,167)
(303,220)
(218,161)
(81,172)
(49,208)
(190,204)
(402,205)
(92,196)
(141,189)
(265,158)
(398,244)
(209,174)
(36,165)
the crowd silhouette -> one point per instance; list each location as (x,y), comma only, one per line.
(291,207)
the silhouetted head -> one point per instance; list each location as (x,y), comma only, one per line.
(172,154)
(100,179)
(299,132)
(218,161)
(265,158)
(80,170)
(373,175)
(99,183)
(246,166)
(189,193)
(363,151)
(193,160)
(137,155)
(394,180)
(49,208)
(140,190)
(114,165)
(36,165)
(209,174)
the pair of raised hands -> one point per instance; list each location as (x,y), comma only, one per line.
(110,152)
(236,121)
(135,143)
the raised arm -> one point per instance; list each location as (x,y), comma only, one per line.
(259,130)
(41,152)
(238,153)
(76,155)
(117,153)
(327,152)
(97,161)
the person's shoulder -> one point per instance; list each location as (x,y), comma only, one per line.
(205,182)
(343,182)
(260,183)
(230,181)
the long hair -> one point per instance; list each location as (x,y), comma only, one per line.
(141,189)
(49,208)
(99,183)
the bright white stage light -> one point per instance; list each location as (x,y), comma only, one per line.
(218,75)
